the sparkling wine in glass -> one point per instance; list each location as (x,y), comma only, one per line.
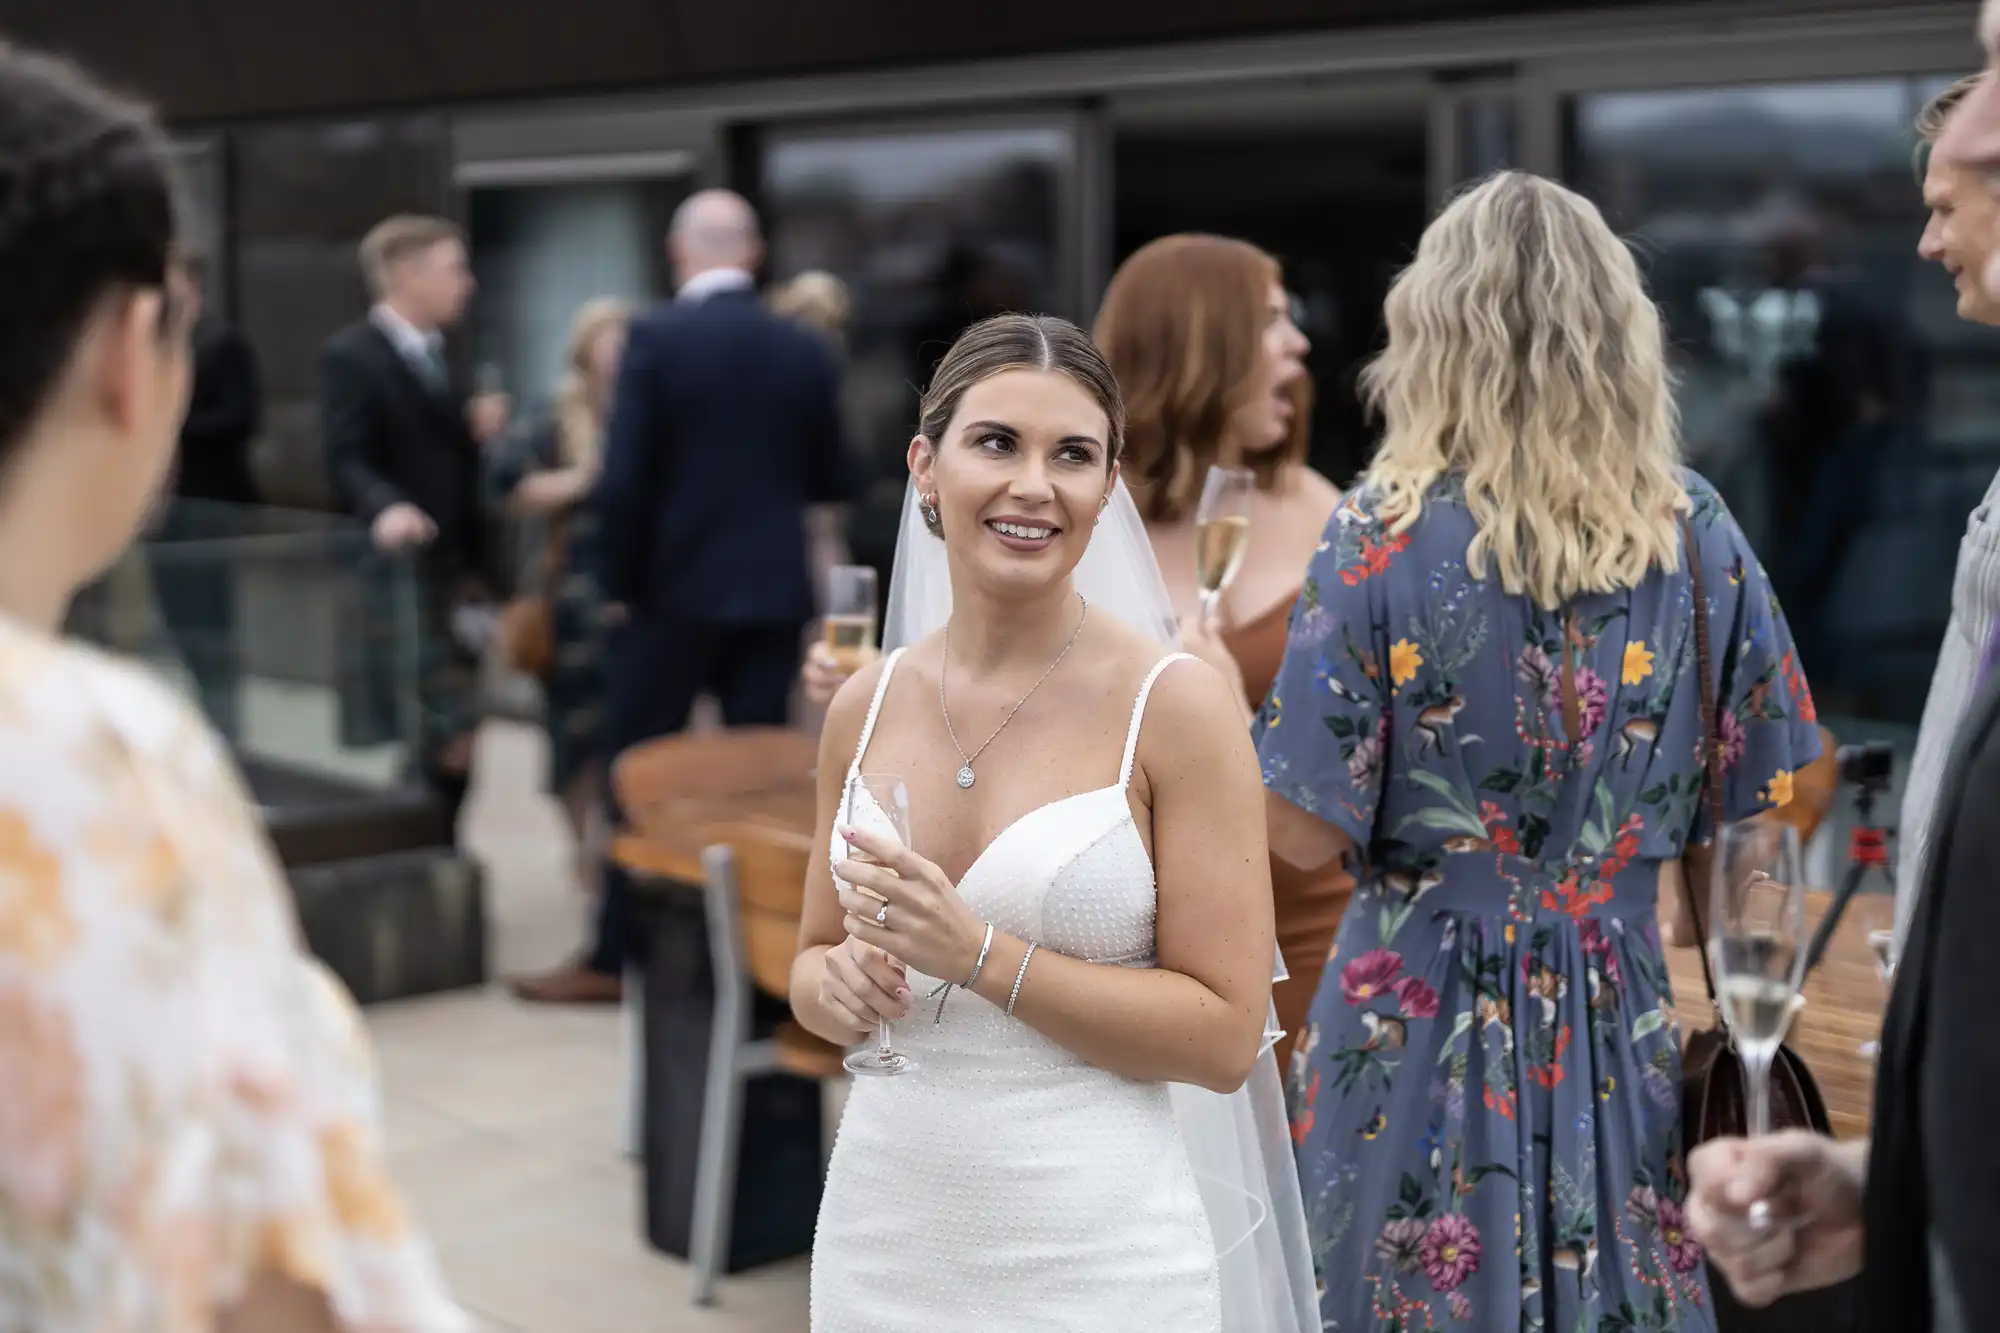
(1757,944)
(879,803)
(850,616)
(1881,943)
(1221,533)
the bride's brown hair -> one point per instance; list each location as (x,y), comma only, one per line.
(1020,342)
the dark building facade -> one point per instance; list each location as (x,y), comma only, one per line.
(945,161)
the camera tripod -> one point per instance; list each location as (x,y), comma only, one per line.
(1867,853)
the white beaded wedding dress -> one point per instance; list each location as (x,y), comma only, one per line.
(1008,1185)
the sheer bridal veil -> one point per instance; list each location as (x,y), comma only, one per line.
(1239,1145)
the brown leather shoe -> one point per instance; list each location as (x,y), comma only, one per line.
(573,984)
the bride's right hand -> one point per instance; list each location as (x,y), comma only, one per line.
(860,985)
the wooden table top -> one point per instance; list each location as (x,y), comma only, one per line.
(681,792)
(670,847)
(1844,1003)
(678,791)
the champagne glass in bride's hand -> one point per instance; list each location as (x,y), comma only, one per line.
(1221,533)
(879,803)
(1757,944)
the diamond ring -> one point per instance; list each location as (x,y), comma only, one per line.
(882,917)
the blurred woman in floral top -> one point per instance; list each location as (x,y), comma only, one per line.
(189,1135)
(1489,697)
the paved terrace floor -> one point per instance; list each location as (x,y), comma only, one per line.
(503,1119)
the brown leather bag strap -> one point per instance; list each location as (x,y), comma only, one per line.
(1572,707)
(1711,748)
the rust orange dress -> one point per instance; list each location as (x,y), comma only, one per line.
(1308,903)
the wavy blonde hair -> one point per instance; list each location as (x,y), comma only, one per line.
(1526,360)
(579,418)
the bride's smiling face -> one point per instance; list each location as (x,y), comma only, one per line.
(1018,477)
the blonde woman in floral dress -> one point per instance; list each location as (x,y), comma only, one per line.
(188,1116)
(1486,1100)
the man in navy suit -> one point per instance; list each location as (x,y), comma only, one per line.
(724,434)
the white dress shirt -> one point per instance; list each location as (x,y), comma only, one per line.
(423,350)
(713,281)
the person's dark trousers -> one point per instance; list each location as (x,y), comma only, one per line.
(654,673)
(195,584)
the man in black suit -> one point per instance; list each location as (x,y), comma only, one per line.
(403,453)
(213,491)
(724,432)
(1910,1210)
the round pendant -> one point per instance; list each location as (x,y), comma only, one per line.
(965,776)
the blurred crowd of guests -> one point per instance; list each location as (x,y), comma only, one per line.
(683,482)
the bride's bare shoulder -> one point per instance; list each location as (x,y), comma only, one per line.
(1190,690)
(1194,724)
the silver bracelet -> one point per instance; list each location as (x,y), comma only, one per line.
(985,947)
(1019,977)
(942,992)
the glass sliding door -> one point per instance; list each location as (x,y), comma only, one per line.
(1477,128)
(1826,386)
(930,227)
(541,251)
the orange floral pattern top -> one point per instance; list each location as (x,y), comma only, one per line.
(189,1098)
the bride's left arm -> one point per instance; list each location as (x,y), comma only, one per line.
(1198,1015)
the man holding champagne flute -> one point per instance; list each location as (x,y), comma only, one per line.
(1910,1210)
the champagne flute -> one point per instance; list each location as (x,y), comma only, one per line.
(879,803)
(1882,943)
(850,616)
(1757,943)
(1221,533)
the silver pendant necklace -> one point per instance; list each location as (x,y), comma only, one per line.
(966,777)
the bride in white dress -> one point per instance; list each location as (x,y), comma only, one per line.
(1052,1163)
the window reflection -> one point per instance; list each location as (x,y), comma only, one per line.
(1825,386)
(202,173)
(931,231)
(540,252)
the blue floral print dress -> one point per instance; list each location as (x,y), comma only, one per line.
(1486,1098)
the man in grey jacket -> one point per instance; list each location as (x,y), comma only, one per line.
(1964,236)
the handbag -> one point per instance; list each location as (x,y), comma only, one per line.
(1714,1102)
(526,634)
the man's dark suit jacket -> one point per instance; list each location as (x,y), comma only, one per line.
(389,437)
(1934,1156)
(223,412)
(724,428)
